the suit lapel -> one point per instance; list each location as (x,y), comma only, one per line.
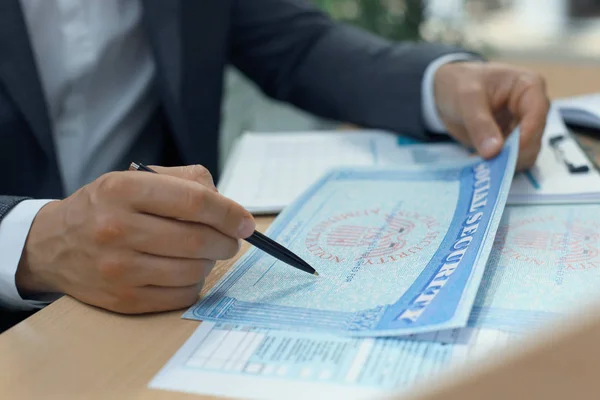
(189,38)
(163,25)
(205,28)
(19,75)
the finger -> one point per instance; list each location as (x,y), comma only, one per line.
(149,299)
(139,269)
(177,198)
(505,121)
(531,105)
(181,239)
(196,173)
(459,133)
(528,156)
(171,272)
(481,127)
(165,299)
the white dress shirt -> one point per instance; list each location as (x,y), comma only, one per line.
(97,75)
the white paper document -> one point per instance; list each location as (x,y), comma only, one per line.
(562,173)
(253,363)
(267,171)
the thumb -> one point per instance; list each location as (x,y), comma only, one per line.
(480,124)
(196,173)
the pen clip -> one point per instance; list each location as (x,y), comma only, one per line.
(555,142)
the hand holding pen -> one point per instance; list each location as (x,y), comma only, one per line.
(133,242)
(259,240)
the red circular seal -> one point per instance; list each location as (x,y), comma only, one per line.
(573,242)
(371,235)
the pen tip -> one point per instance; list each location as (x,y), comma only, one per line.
(316,273)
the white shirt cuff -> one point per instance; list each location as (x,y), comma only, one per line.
(433,121)
(14,230)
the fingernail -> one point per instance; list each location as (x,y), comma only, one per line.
(246,227)
(489,146)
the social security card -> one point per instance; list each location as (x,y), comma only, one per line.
(545,264)
(399,251)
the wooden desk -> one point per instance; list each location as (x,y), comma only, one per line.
(73,351)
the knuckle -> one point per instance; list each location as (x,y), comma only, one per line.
(530,80)
(107,228)
(470,89)
(199,173)
(112,268)
(113,184)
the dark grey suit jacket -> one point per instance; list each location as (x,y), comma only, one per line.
(291,50)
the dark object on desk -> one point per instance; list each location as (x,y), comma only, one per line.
(587,139)
(585,130)
(8,319)
(555,142)
(260,241)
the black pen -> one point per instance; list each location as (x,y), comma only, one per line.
(259,240)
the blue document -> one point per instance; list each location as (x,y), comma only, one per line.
(399,251)
(545,263)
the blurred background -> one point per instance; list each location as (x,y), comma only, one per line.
(556,31)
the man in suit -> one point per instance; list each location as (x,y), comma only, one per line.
(88,85)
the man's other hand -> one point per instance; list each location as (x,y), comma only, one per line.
(133,242)
(481,103)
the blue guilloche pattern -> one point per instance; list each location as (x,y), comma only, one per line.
(399,251)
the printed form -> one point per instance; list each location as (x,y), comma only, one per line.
(253,363)
(268,171)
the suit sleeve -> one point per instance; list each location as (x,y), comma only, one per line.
(295,53)
(16,216)
(7,203)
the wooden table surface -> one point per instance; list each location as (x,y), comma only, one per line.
(73,351)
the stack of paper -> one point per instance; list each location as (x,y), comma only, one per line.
(562,174)
(544,263)
(268,171)
(398,251)
(421,268)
